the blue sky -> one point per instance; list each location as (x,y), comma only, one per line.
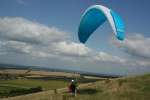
(62,17)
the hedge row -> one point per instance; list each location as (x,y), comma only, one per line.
(21,91)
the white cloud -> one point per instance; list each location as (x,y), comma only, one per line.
(102,56)
(137,45)
(20,29)
(19,35)
(37,41)
(71,48)
(14,46)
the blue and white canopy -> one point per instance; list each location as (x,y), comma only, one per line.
(94,17)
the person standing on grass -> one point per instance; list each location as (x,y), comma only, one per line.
(73,87)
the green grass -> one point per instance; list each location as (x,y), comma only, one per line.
(127,88)
(29,83)
(132,88)
(7,88)
(25,85)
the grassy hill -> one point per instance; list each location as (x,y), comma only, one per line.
(128,88)
(131,88)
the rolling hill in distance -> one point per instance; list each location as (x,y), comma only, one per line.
(43,68)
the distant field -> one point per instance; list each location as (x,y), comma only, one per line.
(28,83)
(127,88)
(15,82)
(37,73)
(19,85)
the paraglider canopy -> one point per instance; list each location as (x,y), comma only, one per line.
(94,17)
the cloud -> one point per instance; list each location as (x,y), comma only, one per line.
(136,45)
(14,46)
(25,37)
(69,48)
(37,43)
(29,38)
(102,56)
(24,41)
(23,30)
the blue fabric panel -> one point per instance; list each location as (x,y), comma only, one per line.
(91,20)
(119,25)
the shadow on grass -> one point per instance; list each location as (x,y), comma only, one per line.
(87,91)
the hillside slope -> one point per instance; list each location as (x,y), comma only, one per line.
(127,88)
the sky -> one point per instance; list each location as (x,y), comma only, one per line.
(44,33)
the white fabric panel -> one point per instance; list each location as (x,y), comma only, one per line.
(108,15)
